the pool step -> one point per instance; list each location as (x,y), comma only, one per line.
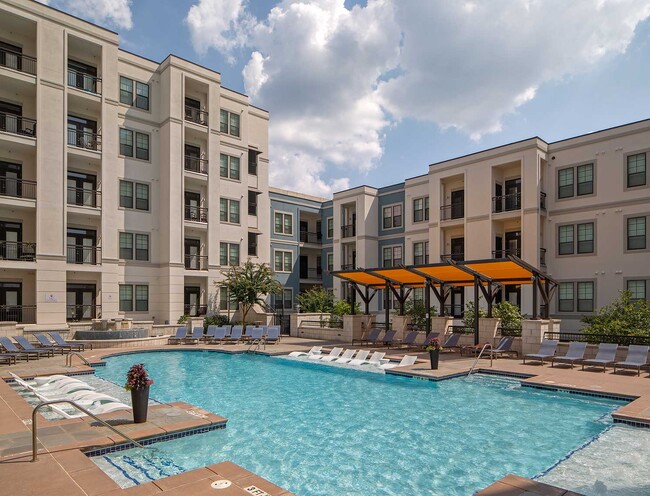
(137,467)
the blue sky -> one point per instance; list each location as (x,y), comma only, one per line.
(371,93)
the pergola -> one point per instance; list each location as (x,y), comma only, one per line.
(486,276)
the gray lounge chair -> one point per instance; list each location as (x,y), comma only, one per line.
(575,354)
(637,357)
(429,338)
(273,335)
(606,355)
(76,345)
(181,333)
(197,334)
(46,343)
(8,358)
(371,337)
(546,351)
(257,335)
(27,346)
(218,335)
(10,347)
(409,339)
(209,333)
(452,342)
(235,335)
(248,333)
(389,338)
(503,348)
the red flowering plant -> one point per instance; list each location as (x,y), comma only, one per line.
(434,345)
(137,378)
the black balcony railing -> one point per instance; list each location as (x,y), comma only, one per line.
(196,214)
(18,188)
(504,253)
(542,200)
(348,231)
(17,124)
(196,262)
(252,208)
(77,313)
(85,255)
(83,139)
(85,82)
(621,339)
(196,164)
(252,168)
(348,266)
(196,116)
(84,197)
(310,237)
(542,257)
(460,329)
(25,314)
(506,203)
(13,250)
(453,211)
(456,257)
(509,331)
(195,310)
(311,273)
(17,61)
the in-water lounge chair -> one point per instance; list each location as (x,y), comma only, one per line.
(546,351)
(333,355)
(76,345)
(315,350)
(406,361)
(637,358)
(344,358)
(27,346)
(377,358)
(575,354)
(181,334)
(360,358)
(606,356)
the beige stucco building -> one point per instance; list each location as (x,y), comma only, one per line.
(125,184)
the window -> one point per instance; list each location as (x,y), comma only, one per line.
(636,233)
(636,170)
(126,194)
(330,227)
(252,203)
(585,175)
(287,299)
(565,183)
(252,162)
(586,237)
(421,209)
(141,246)
(229,167)
(126,246)
(283,223)
(421,253)
(565,297)
(229,123)
(141,93)
(228,254)
(566,178)
(229,211)
(141,298)
(586,296)
(392,216)
(418,295)
(283,261)
(141,195)
(252,244)
(126,298)
(638,289)
(141,144)
(225,303)
(330,262)
(392,256)
(565,239)
(576,296)
(126,142)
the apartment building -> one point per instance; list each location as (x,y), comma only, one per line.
(126,185)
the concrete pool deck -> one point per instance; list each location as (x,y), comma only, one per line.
(63,469)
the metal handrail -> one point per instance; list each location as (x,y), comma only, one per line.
(68,359)
(478,357)
(78,407)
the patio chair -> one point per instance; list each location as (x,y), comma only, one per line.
(315,350)
(333,354)
(46,343)
(410,338)
(503,348)
(273,335)
(575,354)
(8,358)
(345,357)
(405,362)
(181,334)
(389,338)
(377,358)
(218,335)
(8,345)
(59,388)
(247,333)
(209,333)
(235,335)
(257,335)
(429,338)
(606,355)
(76,346)
(637,357)
(97,410)
(27,346)
(228,329)
(359,358)
(452,342)
(197,334)
(546,351)
(371,337)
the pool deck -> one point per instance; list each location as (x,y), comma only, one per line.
(63,469)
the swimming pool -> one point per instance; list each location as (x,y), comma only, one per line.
(318,430)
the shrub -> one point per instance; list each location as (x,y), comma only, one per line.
(182,319)
(418,312)
(468,316)
(316,299)
(509,314)
(623,316)
(217,320)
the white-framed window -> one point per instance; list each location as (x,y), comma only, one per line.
(421,209)
(229,167)
(421,252)
(283,260)
(229,123)
(134,297)
(330,227)
(228,254)
(134,195)
(392,216)
(283,223)
(229,210)
(392,256)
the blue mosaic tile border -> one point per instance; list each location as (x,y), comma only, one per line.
(173,349)
(632,423)
(156,439)
(11,380)
(505,374)
(615,397)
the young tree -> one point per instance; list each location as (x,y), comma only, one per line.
(623,316)
(248,285)
(316,299)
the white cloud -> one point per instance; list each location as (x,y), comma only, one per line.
(112,13)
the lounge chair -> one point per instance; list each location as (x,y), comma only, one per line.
(333,354)
(247,335)
(76,346)
(46,343)
(503,348)
(218,335)
(209,333)
(97,410)
(48,379)
(315,350)
(452,342)
(406,361)
(371,337)
(197,334)
(410,338)
(606,355)
(8,358)
(377,358)
(429,338)
(8,345)
(345,357)
(360,358)
(637,357)
(388,338)
(61,388)
(546,351)
(27,346)
(256,336)
(181,334)
(575,354)
(235,335)
(273,335)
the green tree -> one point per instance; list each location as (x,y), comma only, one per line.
(341,308)
(248,285)
(623,316)
(418,312)
(468,315)
(316,299)
(509,314)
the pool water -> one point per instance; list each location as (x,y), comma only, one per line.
(319,430)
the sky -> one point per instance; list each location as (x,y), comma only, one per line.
(372,92)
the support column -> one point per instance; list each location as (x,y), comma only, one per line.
(476,312)
(387,306)
(427,304)
(534,297)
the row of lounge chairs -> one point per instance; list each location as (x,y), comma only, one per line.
(637,355)
(376,338)
(227,334)
(23,349)
(356,358)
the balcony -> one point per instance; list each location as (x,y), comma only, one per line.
(17,61)
(348,231)
(196,164)
(17,188)
(84,255)
(453,211)
(77,313)
(24,314)
(13,250)
(84,197)
(310,237)
(504,253)
(196,116)
(455,257)
(311,273)
(195,310)
(252,168)
(85,140)
(542,200)
(196,214)
(17,124)
(542,257)
(196,262)
(252,208)
(84,82)
(506,203)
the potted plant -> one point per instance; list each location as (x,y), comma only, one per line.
(138,382)
(434,353)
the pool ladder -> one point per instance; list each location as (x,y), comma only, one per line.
(486,345)
(70,355)
(261,342)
